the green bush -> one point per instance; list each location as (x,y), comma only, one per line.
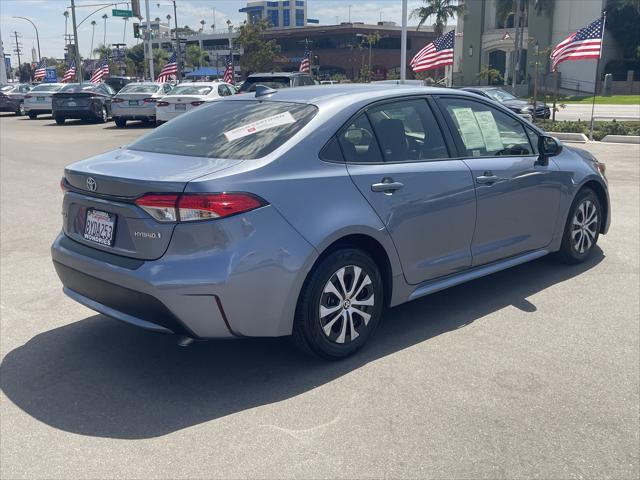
(600,129)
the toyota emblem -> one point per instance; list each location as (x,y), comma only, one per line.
(91,184)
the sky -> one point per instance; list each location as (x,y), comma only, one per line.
(49,19)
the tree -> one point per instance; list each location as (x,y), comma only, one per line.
(135,58)
(623,18)
(442,10)
(102,51)
(160,58)
(259,55)
(195,56)
(492,75)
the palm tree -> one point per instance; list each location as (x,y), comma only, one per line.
(102,51)
(93,32)
(442,10)
(202,22)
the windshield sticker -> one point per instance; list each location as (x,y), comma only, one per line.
(469,129)
(284,118)
(489,129)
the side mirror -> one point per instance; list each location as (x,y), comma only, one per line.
(547,147)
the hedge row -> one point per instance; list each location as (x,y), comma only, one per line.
(600,129)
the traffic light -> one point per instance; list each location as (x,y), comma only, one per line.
(136,30)
(135,8)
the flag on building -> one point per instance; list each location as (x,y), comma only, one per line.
(583,44)
(70,74)
(228,71)
(169,70)
(41,70)
(436,54)
(305,64)
(101,72)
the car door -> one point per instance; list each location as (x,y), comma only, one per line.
(398,158)
(517,198)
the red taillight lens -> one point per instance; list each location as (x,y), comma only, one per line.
(117,100)
(63,185)
(197,103)
(602,167)
(150,100)
(191,207)
(162,104)
(28,96)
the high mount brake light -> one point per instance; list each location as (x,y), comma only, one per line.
(191,207)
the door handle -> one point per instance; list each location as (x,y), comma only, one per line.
(387,186)
(488,178)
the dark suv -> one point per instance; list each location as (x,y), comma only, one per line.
(276,80)
(520,106)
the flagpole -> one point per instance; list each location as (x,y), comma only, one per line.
(595,86)
(403,44)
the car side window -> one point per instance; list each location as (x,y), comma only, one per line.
(485,131)
(407,131)
(534,137)
(358,142)
(166,87)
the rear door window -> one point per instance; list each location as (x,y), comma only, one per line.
(243,130)
(358,142)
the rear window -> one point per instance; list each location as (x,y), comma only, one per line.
(250,84)
(191,90)
(77,88)
(47,88)
(243,130)
(7,88)
(133,88)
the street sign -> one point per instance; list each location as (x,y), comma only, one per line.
(122,13)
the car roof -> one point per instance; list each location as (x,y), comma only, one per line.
(351,93)
(277,74)
(482,87)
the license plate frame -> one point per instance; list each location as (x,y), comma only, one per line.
(181,107)
(99,219)
(39,99)
(133,103)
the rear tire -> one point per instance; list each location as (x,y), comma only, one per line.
(339,306)
(120,122)
(60,120)
(20,110)
(33,116)
(104,115)
(582,229)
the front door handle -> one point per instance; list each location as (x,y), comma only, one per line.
(487,179)
(387,186)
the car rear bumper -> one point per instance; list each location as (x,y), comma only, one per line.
(133,113)
(9,105)
(79,113)
(163,115)
(226,278)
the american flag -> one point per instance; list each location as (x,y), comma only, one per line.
(305,65)
(170,69)
(101,72)
(70,74)
(436,54)
(41,70)
(228,71)
(585,43)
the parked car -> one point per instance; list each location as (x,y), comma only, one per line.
(38,100)
(86,101)
(276,80)
(306,211)
(187,96)
(137,101)
(117,83)
(12,97)
(520,106)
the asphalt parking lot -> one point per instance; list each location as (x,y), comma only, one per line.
(529,373)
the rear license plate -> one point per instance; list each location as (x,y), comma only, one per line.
(40,99)
(181,106)
(71,104)
(99,227)
(133,102)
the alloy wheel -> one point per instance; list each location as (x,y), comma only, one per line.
(346,304)
(584,226)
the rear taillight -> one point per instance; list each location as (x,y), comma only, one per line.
(197,103)
(191,207)
(63,185)
(28,96)
(162,104)
(150,100)
(117,100)
(602,167)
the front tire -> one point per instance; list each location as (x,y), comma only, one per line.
(120,122)
(60,120)
(340,305)
(32,116)
(20,110)
(582,229)
(104,115)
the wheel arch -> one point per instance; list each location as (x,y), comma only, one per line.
(601,193)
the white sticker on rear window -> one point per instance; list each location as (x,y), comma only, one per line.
(284,118)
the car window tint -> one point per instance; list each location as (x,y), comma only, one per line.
(243,130)
(191,90)
(137,88)
(358,142)
(331,151)
(272,82)
(46,88)
(223,91)
(407,130)
(166,88)
(533,138)
(485,131)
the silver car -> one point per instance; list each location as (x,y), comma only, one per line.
(12,97)
(307,211)
(38,100)
(137,101)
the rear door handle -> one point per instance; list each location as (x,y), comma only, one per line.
(487,179)
(387,186)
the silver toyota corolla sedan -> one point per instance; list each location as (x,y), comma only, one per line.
(307,211)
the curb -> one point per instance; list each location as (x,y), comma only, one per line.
(621,139)
(569,137)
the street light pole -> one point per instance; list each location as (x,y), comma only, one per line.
(37,36)
(104,35)
(178,51)
(403,44)
(93,32)
(75,39)
(149,44)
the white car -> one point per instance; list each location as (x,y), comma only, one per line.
(187,96)
(38,100)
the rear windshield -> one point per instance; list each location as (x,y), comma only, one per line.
(135,88)
(272,82)
(7,88)
(47,88)
(229,129)
(191,90)
(86,87)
